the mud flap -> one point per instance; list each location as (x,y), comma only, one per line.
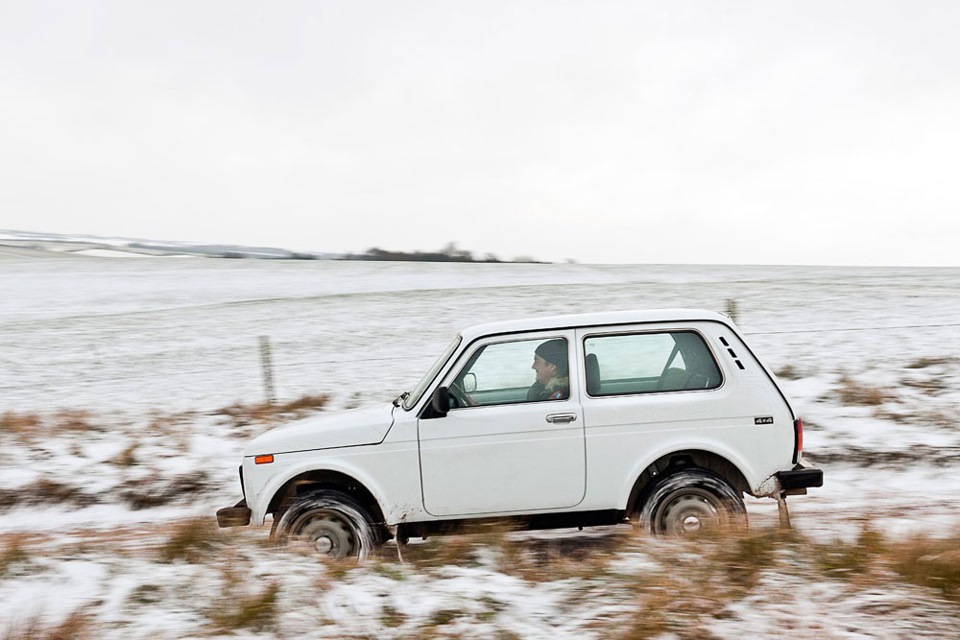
(783,511)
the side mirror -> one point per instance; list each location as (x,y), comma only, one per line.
(440,402)
(470,382)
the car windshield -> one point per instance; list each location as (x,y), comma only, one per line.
(411,400)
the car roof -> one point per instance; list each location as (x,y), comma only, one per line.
(598,318)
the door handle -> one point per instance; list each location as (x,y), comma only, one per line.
(561,417)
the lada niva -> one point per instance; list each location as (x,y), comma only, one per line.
(661,418)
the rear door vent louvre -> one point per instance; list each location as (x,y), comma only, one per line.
(732,354)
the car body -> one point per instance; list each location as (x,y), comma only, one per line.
(665,417)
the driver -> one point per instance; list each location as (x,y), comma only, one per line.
(550,363)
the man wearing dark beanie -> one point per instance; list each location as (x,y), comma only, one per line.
(550,363)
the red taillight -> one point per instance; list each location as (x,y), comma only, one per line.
(797,440)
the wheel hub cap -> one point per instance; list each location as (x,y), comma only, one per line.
(323,544)
(691,524)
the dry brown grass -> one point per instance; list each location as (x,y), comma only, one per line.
(191,540)
(854,393)
(696,580)
(737,556)
(928,562)
(256,611)
(744,555)
(789,372)
(44,492)
(32,425)
(923,363)
(74,420)
(870,559)
(14,552)
(304,403)
(670,606)
(19,423)
(76,626)
(931,386)
(645,587)
(141,494)
(859,560)
(473,545)
(127,457)
(243,414)
(693,581)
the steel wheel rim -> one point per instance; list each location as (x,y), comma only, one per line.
(327,533)
(689,513)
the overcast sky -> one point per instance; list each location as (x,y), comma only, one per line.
(603,132)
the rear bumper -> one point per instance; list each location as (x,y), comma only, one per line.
(235,516)
(799,479)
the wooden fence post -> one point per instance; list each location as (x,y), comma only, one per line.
(267,364)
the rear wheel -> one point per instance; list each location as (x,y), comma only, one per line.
(690,501)
(329,523)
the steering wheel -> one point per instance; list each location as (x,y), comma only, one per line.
(458,397)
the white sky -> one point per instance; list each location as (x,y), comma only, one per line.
(813,132)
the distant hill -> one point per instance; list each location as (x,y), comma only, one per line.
(33,243)
(101,246)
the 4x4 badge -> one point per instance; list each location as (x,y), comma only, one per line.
(763,420)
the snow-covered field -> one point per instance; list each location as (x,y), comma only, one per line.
(114,375)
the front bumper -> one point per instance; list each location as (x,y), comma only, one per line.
(799,479)
(235,516)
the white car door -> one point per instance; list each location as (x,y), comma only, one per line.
(504,452)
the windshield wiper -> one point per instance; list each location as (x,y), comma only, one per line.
(403,396)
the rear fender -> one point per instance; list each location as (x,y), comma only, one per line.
(627,491)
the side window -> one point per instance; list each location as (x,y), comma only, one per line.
(511,372)
(648,363)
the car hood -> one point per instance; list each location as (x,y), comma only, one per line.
(349,428)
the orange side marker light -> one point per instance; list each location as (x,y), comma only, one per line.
(267,459)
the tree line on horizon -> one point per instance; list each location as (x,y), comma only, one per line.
(449,253)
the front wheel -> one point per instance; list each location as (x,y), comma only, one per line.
(689,501)
(329,523)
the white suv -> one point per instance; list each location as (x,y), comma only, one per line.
(665,418)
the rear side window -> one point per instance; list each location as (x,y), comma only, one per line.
(649,363)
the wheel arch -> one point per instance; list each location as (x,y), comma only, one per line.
(314,479)
(684,459)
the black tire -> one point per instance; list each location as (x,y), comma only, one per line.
(329,522)
(690,501)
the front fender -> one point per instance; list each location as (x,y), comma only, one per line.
(293,468)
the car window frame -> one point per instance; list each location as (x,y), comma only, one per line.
(582,355)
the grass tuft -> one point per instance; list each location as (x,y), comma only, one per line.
(31,426)
(45,492)
(127,457)
(923,363)
(929,562)
(76,626)
(140,494)
(257,611)
(14,552)
(789,372)
(191,541)
(244,414)
(391,618)
(19,423)
(746,554)
(853,393)
(858,559)
(75,421)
